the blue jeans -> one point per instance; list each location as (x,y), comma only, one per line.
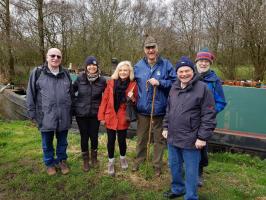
(191,158)
(48,147)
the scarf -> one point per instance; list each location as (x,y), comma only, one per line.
(120,92)
(93,77)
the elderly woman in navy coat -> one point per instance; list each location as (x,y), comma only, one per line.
(189,122)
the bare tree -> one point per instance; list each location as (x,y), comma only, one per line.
(7,25)
(221,34)
(252,20)
(41,28)
(187,22)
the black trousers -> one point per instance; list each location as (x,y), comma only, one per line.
(88,128)
(121,135)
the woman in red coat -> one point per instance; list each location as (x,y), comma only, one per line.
(112,111)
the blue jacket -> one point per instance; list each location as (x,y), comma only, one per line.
(190,114)
(164,72)
(214,84)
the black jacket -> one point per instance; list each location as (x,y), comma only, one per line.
(88,95)
(190,114)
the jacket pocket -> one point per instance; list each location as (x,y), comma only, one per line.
(194,123)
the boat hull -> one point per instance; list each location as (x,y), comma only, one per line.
(13,107)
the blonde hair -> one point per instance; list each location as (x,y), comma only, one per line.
(119,66)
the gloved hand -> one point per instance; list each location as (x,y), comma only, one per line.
(165,133)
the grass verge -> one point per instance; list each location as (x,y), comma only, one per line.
(23,176)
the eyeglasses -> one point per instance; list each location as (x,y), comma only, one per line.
(150,47)
(53,55)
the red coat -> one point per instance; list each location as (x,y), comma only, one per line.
(113,120)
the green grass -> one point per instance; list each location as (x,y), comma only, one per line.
(23,176)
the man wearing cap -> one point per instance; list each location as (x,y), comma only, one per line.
(189,122)
(203,61)
(49,104)
(152,71)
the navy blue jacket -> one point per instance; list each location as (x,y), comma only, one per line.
(190,114)
(164,72)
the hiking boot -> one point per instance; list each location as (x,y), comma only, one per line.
(200,181)
(111,167)
(51,171)
(124,164)
(86,159)
(64,168)
(94,160)
(86,166)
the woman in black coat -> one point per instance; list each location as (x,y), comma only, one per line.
(88,89)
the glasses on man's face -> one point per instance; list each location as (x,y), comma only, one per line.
(53,56)
(150,47)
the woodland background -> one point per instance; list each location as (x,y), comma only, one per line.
(235,30)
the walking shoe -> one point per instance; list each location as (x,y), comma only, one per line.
(170,195)
(51,171)
(111,167)
(200,181)
(124,164)
(64,168)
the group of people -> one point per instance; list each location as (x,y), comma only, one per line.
(182,103)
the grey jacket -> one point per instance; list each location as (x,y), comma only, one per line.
(190,114)
(49,99)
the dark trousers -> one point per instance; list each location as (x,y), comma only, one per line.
(204,159)
(121,135)
(88,128)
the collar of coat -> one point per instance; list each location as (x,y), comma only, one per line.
(159,60)
(209,76)
(177,83)
(47,71)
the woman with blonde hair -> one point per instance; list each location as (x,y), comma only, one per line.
(112,111)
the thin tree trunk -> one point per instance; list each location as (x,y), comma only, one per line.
(40,29)
(11,68)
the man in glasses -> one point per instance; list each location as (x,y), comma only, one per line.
(152,71)
(49,104)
